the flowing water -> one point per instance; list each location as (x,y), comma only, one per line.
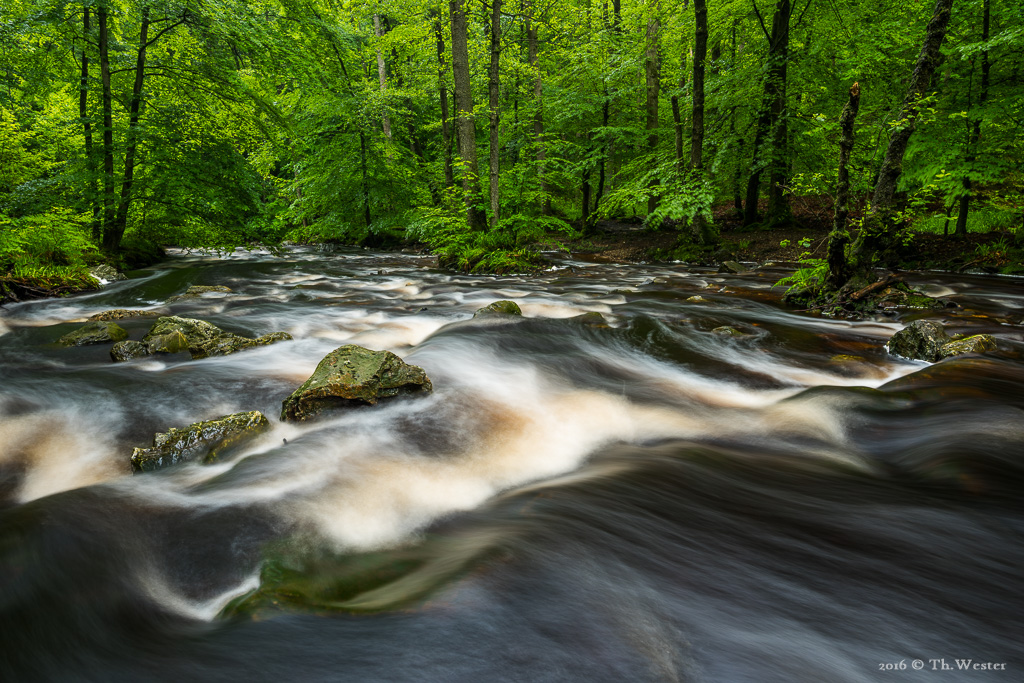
(640,500)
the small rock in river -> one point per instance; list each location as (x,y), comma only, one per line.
(499,308)
(207,440)
(96,332)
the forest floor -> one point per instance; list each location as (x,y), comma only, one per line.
(629,241)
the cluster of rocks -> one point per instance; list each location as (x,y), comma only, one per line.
(201,339)
(927,340)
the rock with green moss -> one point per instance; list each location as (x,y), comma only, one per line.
(732,267)
(127,350)
(196,291)
(173,334)
(728,331)
(206,440)
(352,375)
(105,272)
(499,308)
(591,319)
(96,332)
(920,340)
(122,313)
(978,343)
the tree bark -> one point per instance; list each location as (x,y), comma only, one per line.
(699,225)
(652,76)
(838,268)
(771,119)
(382,76)
(677,121)
(465,124)
(112,236)
(83,114)
(965,198)
(446,134)
(109,200)
(878,232)
(494,93)
(538,117)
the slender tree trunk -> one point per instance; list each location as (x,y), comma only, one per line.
(109,200)
(446,134)
(366,183)
(965,198)
(772,120)
(538,118)
(83,113)
(838,268)
(878,232)
(464,123)
(113,235)
(737,199)
(494,94)
(677,121)
(699,225)
(652,76)
(605,112)
(585,208)
(382,76)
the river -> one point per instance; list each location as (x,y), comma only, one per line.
(644,499)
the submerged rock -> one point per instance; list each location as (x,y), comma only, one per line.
(352,375)
(728,331)
(96,332)
(122,313)
(927,340)
(499,308)
(196,291)
(978,343)
(207,440)
(105,272)
(173,334)
(127,350)
(591,319)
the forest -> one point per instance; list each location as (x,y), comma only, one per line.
(489,132)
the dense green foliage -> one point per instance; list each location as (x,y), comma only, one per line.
(229,123)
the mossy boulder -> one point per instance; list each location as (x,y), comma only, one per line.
(591,319)
(927,340)
(728,331)
(978,343)
(499,308)
(106,272)
(96,332)
(352,375)
(206,440)
(196,291)
(920,340)
(122,313)
(173,334)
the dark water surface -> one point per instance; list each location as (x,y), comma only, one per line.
(643,501)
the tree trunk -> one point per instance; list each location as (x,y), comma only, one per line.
(538,118)
(652,76)
(699,225)
(83,113)
(494,93)
(112,236)
(838,268)
(109,207)
(604,155)
(878,232)
(464,123)
(382,76)
(677,121)
(965,199)
(366,184)
(772,119)
(446,134)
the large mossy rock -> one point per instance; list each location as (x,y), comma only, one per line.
(96,332)
(173,334)
(499,308)
(927,340)
(351,375)
(207,440)
(920,340)
(196,291)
